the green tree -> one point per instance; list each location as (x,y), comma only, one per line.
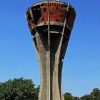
(87,97)
(18,89)
(95,94)
(76,98)
(68,96)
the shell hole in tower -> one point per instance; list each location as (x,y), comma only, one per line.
(61,15)
(62,60)
(42,19)
(51,13)
(42,4)
(57,20)
(44,9)
(50,4)
(57,7)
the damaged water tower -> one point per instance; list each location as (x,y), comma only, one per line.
(50,23)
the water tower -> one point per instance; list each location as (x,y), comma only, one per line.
(50,23)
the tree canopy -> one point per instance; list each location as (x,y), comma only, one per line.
(18,89)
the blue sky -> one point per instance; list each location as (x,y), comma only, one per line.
(81,69)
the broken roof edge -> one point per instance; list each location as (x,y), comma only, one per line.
(58,2)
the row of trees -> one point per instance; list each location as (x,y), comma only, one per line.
(24,89)
(94,95)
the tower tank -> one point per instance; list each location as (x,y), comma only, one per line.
(50,23)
